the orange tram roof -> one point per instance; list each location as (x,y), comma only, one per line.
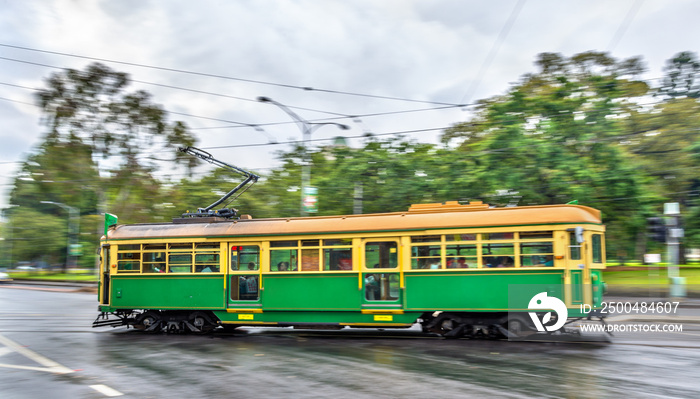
(449,215)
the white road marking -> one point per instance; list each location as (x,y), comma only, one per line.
(5,351)
(49,365)
(105,390)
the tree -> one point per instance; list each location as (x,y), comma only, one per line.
(682,76)
(555,137)
(36,236)
(663,141)
(61,172)
(95,106)
(91,117)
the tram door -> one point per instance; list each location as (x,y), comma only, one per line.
(244,275)
(578,268)
(105,261)
(381,275)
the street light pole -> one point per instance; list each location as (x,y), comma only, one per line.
(306,128)
(73,229)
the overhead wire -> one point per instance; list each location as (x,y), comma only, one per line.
(257,126)
(336,115)
(626,22)
(494,50)
(305,88)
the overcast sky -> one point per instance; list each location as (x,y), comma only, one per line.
(430,51)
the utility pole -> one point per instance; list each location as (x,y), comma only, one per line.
(673,236)
(357,199)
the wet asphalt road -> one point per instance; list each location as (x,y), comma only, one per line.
(48,349)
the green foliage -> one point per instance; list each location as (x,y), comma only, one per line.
(62,172)
(36,236)
(574,129)
(555,136)
(94,106)
(682,76)
(665,143)
(91,116)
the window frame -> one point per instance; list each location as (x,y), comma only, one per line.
(149,264)
(507,246)
(315,250)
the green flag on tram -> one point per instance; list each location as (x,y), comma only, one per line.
(110,220)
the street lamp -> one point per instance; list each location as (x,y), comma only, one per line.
(73,228)
(306,128)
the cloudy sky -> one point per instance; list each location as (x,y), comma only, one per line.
(372,59)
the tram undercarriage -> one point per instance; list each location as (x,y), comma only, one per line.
(171,322)
(450,325)
(499,325)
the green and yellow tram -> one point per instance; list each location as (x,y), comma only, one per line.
(449,266)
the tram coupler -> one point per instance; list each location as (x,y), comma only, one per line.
(103,320)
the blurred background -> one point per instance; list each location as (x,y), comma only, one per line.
(379,104)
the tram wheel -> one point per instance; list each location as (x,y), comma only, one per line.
(452,329)
(516,327)
(149,321)
(201,322)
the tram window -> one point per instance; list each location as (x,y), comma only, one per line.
(536,260)
(128,262)
(153,262)
(180,247)
(243,257)
(207,245)
(129,266)
(180,263)
(535,235)
(206,262)
(277,244)
(106,258)
(310,260)
(460,237)
(337,241)
(461,256)
(381,286)
(597,244)
(381,255)
(497,249)
(151,247)
(536,248)
(498,255)
(574,247)
(244,287)
(497,236)
(128,255)
(337,258)
(283,260)
(130,247)
(426,257)
(537,254)
(425,239)
(310,243)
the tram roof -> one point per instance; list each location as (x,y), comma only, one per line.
(419,217)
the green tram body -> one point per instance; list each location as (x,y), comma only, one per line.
(413,259)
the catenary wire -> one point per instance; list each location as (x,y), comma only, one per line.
(305,88)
